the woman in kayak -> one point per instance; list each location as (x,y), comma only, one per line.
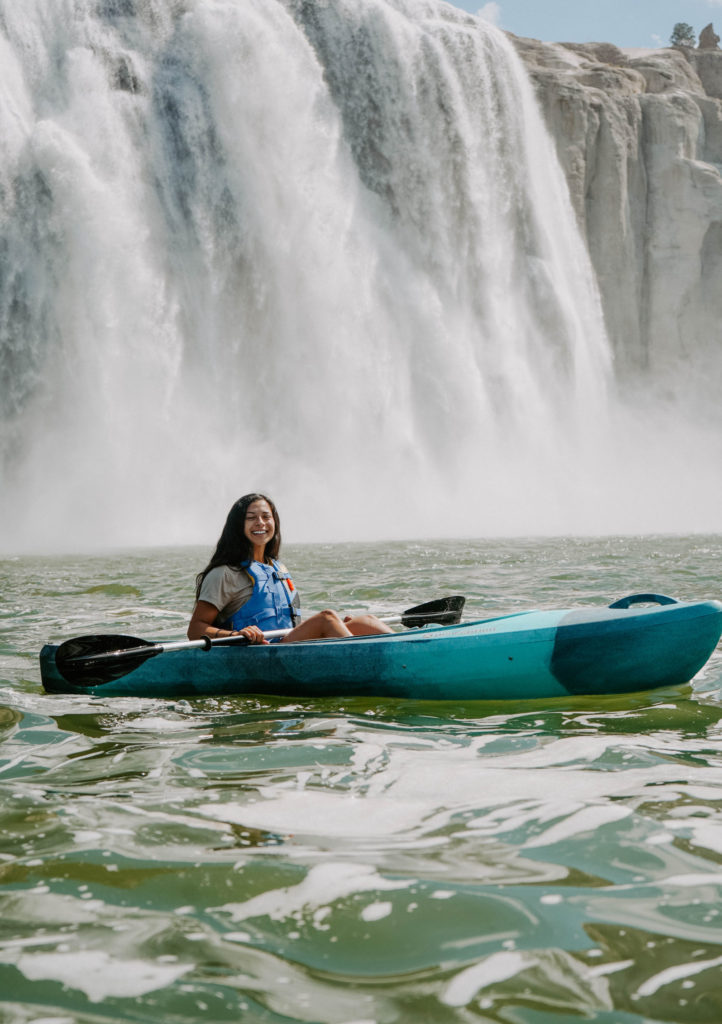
(244,589)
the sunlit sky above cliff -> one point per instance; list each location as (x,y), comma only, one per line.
(645,23)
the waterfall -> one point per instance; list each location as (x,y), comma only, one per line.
(320,248)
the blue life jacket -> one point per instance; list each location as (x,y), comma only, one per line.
(274,603)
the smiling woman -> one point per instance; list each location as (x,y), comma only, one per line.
(244,589)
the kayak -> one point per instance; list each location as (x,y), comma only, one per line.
(626,647)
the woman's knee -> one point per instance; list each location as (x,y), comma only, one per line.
(329,623)
(329,616)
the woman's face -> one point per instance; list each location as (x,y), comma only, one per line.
(259,527)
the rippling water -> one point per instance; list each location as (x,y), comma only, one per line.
(343,861)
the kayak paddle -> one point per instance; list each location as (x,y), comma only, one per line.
(96,659)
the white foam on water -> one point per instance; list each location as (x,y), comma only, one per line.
(494,969)
(377,911)
(99,975)
(589,819)
(303,812)
(677,973)
(324,884)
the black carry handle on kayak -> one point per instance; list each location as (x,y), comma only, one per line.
(627,602)
(99,658)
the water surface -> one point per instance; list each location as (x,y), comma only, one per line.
(345,861)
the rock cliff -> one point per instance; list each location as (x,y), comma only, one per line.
(639,136)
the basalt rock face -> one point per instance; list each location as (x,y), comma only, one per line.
(708,38)
(639,136)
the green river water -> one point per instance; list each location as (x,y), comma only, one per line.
(357,861)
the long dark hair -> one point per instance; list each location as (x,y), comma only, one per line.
(233,547)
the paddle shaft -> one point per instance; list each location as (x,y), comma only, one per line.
(205,643)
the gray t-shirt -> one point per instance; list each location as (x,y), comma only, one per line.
(227,590)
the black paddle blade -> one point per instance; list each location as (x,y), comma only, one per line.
(92,660)
(445,611)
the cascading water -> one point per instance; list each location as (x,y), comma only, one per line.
(317,247)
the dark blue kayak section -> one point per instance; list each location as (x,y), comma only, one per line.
(648,648)
(536,654)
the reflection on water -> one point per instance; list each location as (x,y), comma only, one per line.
(358,860)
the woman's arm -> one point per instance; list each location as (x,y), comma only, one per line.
(201,624)
(202,619)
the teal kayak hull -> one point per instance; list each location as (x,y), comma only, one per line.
(529,655)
